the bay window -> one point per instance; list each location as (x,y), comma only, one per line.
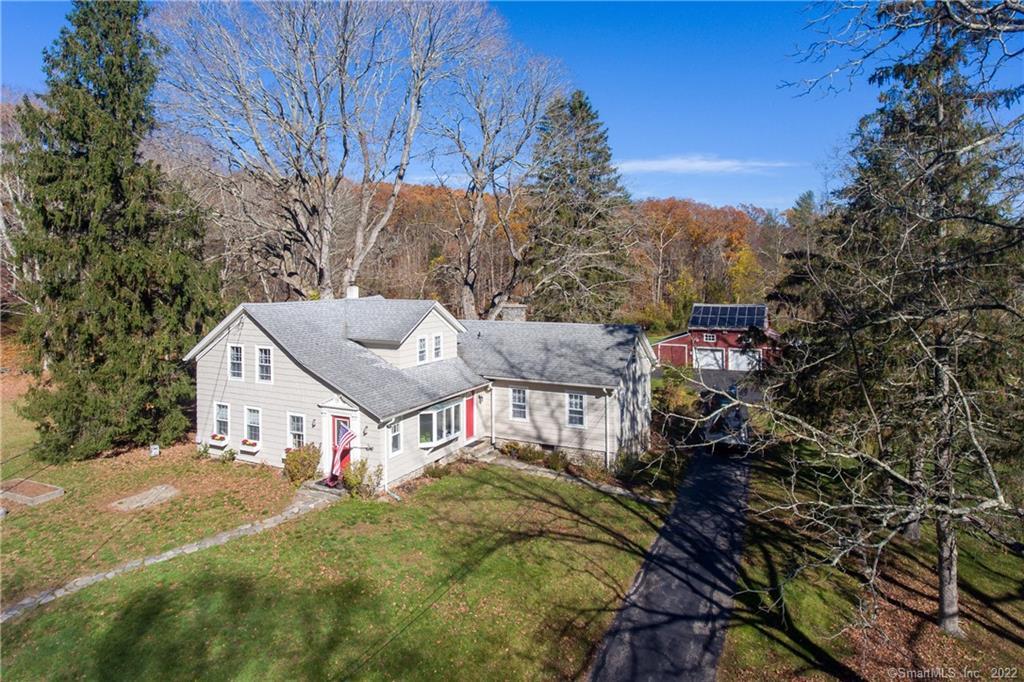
(441,424)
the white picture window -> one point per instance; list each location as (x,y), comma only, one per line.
(264,365)
(421,349)
(395,438)
(518,404)
(296,430)
(221,419)
(253,419)
(235,364)
(576,412)
(440,425)
(438,349)
(709,338)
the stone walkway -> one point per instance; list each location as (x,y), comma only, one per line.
(501,460)
(304,502)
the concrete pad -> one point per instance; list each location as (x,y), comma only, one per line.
(27,491)
(147,498)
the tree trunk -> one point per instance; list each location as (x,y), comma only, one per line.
(468,302)
(912,531)
(949,596)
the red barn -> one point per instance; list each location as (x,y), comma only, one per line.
(717,338)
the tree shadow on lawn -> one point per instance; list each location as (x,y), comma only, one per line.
(223,625)
(582,529)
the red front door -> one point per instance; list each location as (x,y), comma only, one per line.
(470,422)
(341,424)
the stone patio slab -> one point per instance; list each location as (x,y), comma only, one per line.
(147,498)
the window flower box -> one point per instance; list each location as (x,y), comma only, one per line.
(250,447)
(218,441)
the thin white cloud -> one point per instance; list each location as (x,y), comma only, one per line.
(699,164)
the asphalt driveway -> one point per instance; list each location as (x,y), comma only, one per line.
(672,624)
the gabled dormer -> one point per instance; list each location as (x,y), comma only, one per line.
(405,333)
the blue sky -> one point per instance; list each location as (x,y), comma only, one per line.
(690,92)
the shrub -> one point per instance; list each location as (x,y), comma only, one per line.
(523,452)
(203,451)
(359,481)
(300,463)
(436,470)
(557,460)
(228,455)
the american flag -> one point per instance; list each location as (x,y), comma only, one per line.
(345,439)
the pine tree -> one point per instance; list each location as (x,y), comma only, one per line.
(121,291)
(804,211)
(580,197)
(911,343)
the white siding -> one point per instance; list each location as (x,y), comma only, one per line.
(634,398)
(412,457)
(292,390)
(547,422)
(432,324)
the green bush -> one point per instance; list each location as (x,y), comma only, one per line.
(228,455)
(203,451)
(523,452)
(359,481)
(557,460)
(300,463)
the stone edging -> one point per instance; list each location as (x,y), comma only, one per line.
(533,469)
(303,504)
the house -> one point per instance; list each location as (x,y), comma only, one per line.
(414,384)
(719,336)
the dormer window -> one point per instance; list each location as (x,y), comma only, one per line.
(421,350)
(438,340)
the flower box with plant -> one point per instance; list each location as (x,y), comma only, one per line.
(218,440)
(249,445)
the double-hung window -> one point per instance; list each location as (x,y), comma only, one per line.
(440,425)
(395,438)
(575,410)
(264,365)
(296,430)
(421,350)
(235,362)
(438,346)
(518,404)
(221,419)
(253,419)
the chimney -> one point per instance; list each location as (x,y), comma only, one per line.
(514,312)
(352,291)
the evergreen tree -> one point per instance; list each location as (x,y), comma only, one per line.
(581,203)
(121,291)
(910,343)
(804,211)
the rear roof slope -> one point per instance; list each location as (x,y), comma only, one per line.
(553,352)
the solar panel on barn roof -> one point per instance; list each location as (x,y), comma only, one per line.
(727,316)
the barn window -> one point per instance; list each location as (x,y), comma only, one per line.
(709,338)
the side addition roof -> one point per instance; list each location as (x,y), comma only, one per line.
(551,352)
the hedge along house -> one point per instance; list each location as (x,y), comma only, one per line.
(414,384)
(720,336)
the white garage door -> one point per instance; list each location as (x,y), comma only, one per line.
(709,358)
(744,360)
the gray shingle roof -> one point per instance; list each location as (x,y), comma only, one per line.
(557,352)
(310,333)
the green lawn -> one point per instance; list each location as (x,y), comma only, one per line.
(794,628)
(48,545)
(484,574)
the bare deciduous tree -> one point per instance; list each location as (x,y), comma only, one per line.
(312,111)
